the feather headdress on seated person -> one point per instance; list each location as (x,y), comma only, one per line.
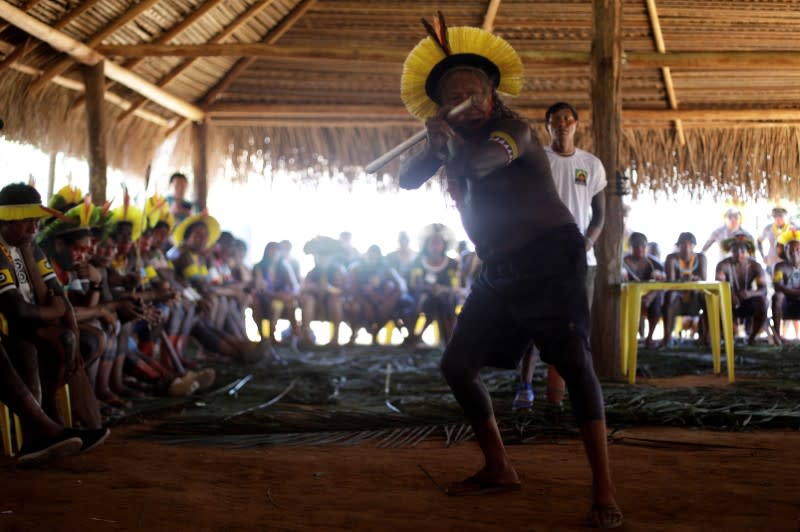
(156,211)
(447,48)
(83,218)
(738,237)
(127,213)
(66,198)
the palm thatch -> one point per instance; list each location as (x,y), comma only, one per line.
(322,82)
(131,144)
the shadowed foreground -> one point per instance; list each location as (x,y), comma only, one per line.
(667,478)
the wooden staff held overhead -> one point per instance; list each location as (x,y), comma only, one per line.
(404,146)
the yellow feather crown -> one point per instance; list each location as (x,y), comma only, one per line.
(464,42)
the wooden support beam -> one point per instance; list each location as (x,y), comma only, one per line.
(666,73)
(27,6)
(79,10)
(606,69)
(61,66)
(271,38)
(730,60)
(491,14)
(94,79)
(629,116)
(240,21)
(200,162)
(51,175)
(84,54)
(17,54)
(164,38)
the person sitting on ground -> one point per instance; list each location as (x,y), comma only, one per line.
(684,265)
(732,225)
(322,293)
(779,225)
(639,267)
(44,438)
(434,282)
(39,328)
(748,282)
(786,281)
(193,237)
(378,292)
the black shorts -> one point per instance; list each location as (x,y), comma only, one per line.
(791,308)
(747,308)
(537,295)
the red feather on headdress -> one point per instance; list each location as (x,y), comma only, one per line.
(438,32)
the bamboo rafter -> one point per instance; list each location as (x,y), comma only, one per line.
(164,38)
(226,33)
(666,73)
(61,66)
(88,56)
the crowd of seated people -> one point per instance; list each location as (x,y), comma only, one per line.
(407,289)
(750,282)
(105,300)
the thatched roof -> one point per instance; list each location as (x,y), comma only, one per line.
(316,82)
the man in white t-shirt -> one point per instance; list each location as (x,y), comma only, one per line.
(580,179)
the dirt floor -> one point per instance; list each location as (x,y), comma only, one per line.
(668,479)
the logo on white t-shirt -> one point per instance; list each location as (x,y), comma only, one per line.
(581,176)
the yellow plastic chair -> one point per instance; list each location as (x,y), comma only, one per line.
(64,407)
(718,306)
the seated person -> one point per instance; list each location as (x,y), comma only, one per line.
(639,267)
(748,282)
(39,327)
(683,265)
(44,438)
(193,238)
(403,257)
(322,294)
(276,292)
(378,292)
(786,281)
(434,282)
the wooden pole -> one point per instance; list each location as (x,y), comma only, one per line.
(200,162)
(94,79)
(606,70)
(666,73)
(51,175)
(491,14)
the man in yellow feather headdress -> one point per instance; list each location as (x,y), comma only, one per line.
(532,286)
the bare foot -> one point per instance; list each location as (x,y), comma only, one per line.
(486,481)
(605,513)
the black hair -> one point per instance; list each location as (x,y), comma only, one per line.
(19,194)
(225,236)
(686,237)
(556,107)
(160,224)
(241,244)
(640,237)
(191,229)
(177,175)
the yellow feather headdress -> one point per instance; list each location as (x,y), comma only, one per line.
(446,48)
